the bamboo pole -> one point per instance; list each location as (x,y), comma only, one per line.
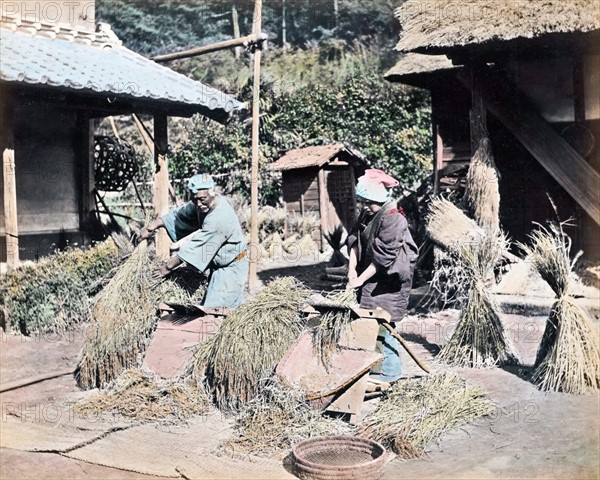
(10,209)
(214,47)
(252,277)
(161,184)
(236,29)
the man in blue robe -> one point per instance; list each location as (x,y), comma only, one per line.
(210,238)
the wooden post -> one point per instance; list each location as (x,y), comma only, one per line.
(477,115)
(323,208)
(10,209)
(252,277)
(236,29)
(161,182)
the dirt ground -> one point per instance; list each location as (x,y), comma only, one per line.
(530,435)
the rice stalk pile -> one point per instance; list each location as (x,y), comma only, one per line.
(415,413)
(143,396)
(250,343)
(482,194)
(450,228)
(479,339)
(124,317)
(51,294)
(326,335)
(277,419)
(568,358)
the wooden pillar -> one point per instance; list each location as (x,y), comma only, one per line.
(323,208)
(10,208)
(161,182)
(252,275)
(478,111)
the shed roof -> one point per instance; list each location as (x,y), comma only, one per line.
(107,71)
(412,67)
(441,25)
(316,156)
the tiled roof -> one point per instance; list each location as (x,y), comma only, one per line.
(109,70)
(312,156)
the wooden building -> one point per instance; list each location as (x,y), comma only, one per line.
(535,66)
(322,180)
(59,74)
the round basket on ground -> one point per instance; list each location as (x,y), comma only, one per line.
(338,458)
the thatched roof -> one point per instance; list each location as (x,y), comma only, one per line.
(441,25)
(413,68)
(317,156)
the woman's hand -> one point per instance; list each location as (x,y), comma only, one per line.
(146,233)
(353,283)
(161,272)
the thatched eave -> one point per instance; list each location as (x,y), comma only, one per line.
(442,26)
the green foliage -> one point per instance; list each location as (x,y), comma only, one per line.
(51,295)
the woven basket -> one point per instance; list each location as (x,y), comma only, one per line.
(338,458)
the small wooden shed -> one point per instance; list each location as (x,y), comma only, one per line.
(322,180)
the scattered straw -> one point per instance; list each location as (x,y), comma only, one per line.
(568,359)
(250,343)
(415,413)
(277,419)
(143,396)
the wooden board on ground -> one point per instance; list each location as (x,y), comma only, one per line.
(174,342)
(344,381)
(361,334)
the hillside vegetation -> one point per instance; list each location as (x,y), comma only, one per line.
(322,82)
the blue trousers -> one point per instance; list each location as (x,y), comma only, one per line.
(390,368)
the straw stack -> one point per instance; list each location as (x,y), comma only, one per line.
(568,358)
(250,343)
(479,339)
(482,194)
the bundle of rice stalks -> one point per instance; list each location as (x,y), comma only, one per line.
(51,295)
(303,224)
(482,195)
(449,227)
(279,418)
(250,343)
(185,285)
(326,335)
(307,245)
(336,241)
(415,413)
(275,247)
(479,339)
(449,282)
(568,358)
(143,396)
(124,317)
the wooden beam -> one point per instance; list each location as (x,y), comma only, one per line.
(10,209)
(252,274)
(161,182)
(214,47)
(566,166)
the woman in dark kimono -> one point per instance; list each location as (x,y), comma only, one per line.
(382,259)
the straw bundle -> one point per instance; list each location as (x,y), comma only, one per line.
(415,413)
(250,343)
(479,339)
(143,396)
(449,227)
(568,358)
(326,335)
(277,419)
(482,195)
(124,314)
